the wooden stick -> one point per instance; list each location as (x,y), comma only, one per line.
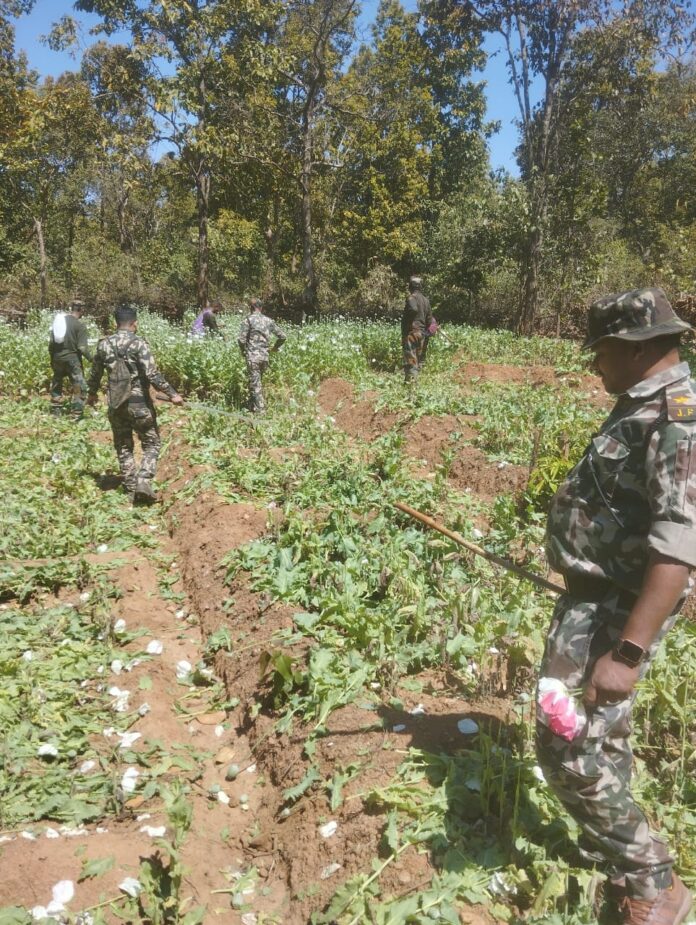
(477,550)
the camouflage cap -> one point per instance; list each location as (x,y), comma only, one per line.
(77,303)
(640,314)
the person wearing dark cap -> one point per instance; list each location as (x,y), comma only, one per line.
(255,343)
(416,321)
(131,371)
(66,347)
(622,532)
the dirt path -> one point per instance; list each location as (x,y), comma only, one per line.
(177,721)
(244,827)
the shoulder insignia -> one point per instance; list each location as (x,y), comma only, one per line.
(681,405)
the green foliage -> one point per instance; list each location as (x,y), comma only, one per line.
(376,601)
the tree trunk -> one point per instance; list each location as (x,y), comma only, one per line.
(71,243)
(530,289)
(121,207)
(309,293)
(38,228)
(203,200)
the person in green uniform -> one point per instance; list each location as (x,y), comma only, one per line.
(131,369)
(416,321)
(66,347)
(255,335)
(622,532)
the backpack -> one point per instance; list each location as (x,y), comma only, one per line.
(119,386)
(59,328)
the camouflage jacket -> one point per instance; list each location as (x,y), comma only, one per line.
(137,354)
(255,336)
(634,490)
(75,343)
(417,314)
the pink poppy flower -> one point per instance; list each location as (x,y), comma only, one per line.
(558,709)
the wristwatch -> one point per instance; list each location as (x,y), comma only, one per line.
(630,653)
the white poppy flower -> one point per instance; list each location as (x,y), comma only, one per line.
(129,780)
(128,738)
(63,892)
(131,887)
(183,669)
(154,831)
(47,751)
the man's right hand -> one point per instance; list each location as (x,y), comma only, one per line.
(177,400)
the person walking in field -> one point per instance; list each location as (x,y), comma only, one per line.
(66,347)
(416,321)
(206,321)
(131,371)
(255,343)
(622,532)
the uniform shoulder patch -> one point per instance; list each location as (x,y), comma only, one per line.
(681,404)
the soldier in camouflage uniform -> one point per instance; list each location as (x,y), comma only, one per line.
(622,531)
(415,322)
(254,342)
(66,361)
(137,413)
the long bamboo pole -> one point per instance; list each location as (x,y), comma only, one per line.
(477,550)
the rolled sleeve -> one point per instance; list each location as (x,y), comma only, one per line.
(676,541)
(671,481)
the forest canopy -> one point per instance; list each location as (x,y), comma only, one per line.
(234,147)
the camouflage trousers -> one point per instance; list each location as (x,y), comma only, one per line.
(414,346)
(255,370)
(70,368)
(591,775)
(139,418)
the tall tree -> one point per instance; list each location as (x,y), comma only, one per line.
(417,134)
(187,50)
(316,37)
(54,137)
(539,38)
(15,81)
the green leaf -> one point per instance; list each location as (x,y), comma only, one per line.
(95,868)
(292,794)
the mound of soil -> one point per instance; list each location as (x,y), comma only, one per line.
(300,868)
(493,372)
(469,374)
(355,416)
(426,438)
(471,471)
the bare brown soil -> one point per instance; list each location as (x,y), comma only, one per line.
(472,472)
(588,386)
(288,851)
(291,856)
(428,437)
(32,867)
(354,415)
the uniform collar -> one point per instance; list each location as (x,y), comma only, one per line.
(654,383)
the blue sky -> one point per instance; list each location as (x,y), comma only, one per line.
(501,103)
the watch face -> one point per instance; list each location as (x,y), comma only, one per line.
(630,650)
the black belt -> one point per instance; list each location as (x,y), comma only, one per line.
(593,589)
